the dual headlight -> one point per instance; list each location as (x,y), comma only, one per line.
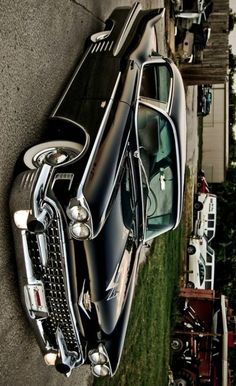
(99,361)
(80,227)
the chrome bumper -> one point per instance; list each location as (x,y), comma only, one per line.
(42,260)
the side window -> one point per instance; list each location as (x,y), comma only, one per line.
(155,84)
(208,285)
(155,138)
(201,269)
(210,234)
(210,224)
(208,272)
(159,174)
(209,258)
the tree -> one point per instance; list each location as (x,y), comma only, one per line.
(232,20)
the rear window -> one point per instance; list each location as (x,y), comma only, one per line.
(208,285)
(208,273)
(209,258)
(210,234)
(211,224)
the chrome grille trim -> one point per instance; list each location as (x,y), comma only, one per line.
(55,278)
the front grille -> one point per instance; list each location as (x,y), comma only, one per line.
(52,276)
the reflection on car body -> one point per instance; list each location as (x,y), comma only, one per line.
(109,176)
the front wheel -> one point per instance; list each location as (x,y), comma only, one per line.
(191,249)
(198,205)
(52,152)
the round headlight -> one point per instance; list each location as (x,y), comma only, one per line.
(97,358)
(78,213)
(80,231)
(50,358)
(101,370)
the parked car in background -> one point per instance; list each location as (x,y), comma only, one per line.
(196,10)
(200,342)
(204,100)
(206,207)
(108,175)
(201,264)
(191,30)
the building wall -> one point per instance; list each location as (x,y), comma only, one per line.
(215,136)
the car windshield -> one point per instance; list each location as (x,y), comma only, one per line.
(158,159)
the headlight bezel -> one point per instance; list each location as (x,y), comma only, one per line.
(100,363)
(80,226)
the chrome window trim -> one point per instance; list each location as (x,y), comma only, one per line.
(153,107)
(98,138)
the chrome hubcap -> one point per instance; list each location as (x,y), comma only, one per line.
(57,157)
(54,156)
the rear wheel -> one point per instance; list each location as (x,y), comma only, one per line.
(191,249)
(190,284)
(52,152)
(184,378)
(198,205)
(177,344)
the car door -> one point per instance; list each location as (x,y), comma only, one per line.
(157,149)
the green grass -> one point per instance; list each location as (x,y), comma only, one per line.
(145,359)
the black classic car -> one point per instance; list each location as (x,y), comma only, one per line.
(108,176)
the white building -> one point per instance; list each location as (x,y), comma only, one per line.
(215,147)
